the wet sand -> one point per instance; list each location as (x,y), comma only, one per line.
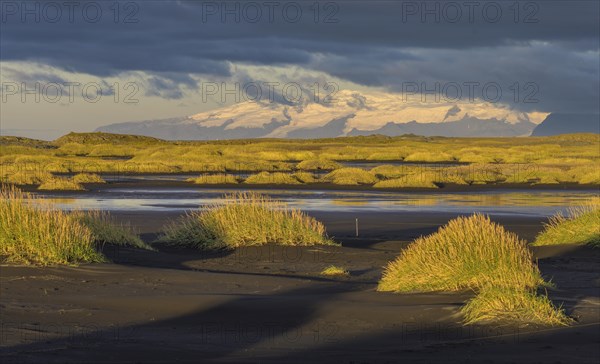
(270,305)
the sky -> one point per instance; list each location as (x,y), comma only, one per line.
(77,65)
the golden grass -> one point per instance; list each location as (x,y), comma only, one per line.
(35,231)
(279,178)
(429,157)
(214,179)
(350,176)
(318,164)
(31,177)
(246,219)
(562,159)
(60,184)
(475,253)
(467,253)
(88,178)
(581,225)
(423,180)
(390,171)
(106,231)
(306,177)
(335,271)
(43,234)
(505,305)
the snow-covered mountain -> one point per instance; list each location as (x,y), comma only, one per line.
(348,113)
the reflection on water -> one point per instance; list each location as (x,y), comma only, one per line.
(178,199)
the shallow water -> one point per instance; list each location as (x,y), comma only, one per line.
(156,199)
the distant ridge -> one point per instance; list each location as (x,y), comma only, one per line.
(558,123)
(349,113)
(105,138)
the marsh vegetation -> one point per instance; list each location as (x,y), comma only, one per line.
(564,159)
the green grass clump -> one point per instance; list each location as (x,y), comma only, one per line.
(279,178)
(580,226)
(60,184)
(246,219)
(350,176)
(106,231)
(467,253)
(42,235)
(214,179)
(335,271)
(504,305)
(88,178)
(318,164)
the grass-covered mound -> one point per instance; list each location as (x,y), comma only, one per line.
(28,177)
(581,225)
(88,178)
(34,231)
(335,271)
(105,138)
(350,176)
(60,184)
(467,253)
(475,253)
(214,179)
(42,235)
(306,177)
(246,219)
(513,305)
(421,181)
(279,178)
(106,231)
(430,157)
(318,164)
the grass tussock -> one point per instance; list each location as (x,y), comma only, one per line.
(60,184)
(421,181)
(430,157)
(88,178)
(467,253)
(43,234)
(581,226)
(246,219)
(106,231)
(475,253)
(513,305)
(335,271)
(28,177)
(306,177)
(279,178)
(318,164)
(350,176)
(214,179)
(34,231)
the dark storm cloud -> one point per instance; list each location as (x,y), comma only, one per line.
(375,43)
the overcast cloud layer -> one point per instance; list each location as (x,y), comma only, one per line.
(384,44)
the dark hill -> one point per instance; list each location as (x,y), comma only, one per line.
(557,123)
